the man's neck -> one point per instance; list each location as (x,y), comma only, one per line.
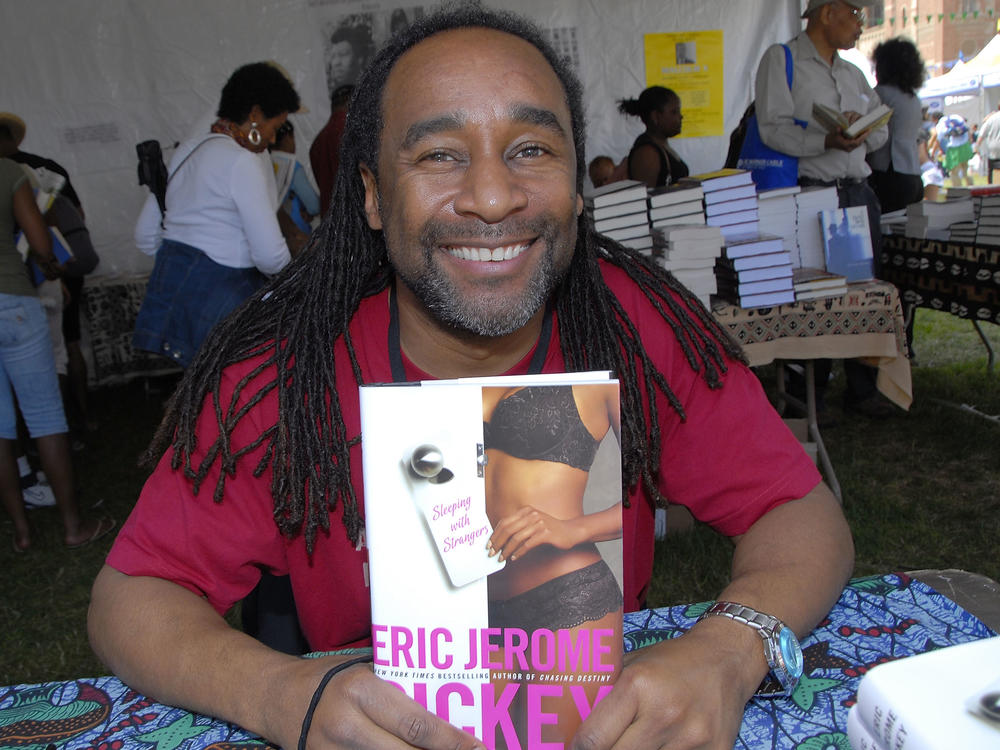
(444,353)
(823,47)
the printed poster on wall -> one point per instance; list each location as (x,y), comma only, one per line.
(690,63)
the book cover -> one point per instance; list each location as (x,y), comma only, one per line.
(847,242)
(515,651)
(919,703)
(755,245)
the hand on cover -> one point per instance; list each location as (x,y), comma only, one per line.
(680,694)
(528,528)
(359,710)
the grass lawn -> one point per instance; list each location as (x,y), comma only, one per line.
(921,490)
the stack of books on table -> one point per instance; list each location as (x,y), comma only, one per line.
(987,208)
(815,283)
(932,220)
(893,222)
(778,214)
(811,201)
(676,205)
(728,207)
(946,698)
(689,253)
(755,272)
(619,211)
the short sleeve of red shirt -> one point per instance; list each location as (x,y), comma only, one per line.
(732,459)
(171,535)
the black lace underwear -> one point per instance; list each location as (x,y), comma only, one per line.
(566,601)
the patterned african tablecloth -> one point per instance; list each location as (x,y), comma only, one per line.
(876,619)
(866,323)
(959,278)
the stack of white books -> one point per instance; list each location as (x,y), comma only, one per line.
(689,253)
(763,283)
(619,212)
(814,283)
(811,201)
(778,214)
(932,219)
(893,222)
(676,205)
(987,219)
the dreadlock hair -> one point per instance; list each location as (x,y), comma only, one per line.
(292,322)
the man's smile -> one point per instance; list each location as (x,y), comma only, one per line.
(504,252)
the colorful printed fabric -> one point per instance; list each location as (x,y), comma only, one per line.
(876,619)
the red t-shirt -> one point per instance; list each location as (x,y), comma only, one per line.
(731,461)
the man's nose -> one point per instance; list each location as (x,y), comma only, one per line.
(490,190)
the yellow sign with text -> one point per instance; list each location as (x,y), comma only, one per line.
(690,63)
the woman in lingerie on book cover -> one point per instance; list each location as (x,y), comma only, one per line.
(540,446)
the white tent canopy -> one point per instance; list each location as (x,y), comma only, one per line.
(93,79)
(982,71)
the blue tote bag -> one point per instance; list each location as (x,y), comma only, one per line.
(769,168)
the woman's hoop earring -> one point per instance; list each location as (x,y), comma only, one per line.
(254,135)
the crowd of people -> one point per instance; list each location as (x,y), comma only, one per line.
(278,297)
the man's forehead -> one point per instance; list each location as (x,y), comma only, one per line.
(442,70)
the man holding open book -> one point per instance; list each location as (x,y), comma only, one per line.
(826,87)
(456,245)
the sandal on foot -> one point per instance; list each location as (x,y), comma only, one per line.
(104,526)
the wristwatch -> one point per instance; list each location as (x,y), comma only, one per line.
(781,647)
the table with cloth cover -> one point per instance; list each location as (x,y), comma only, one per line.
(866,323)
(876,619)
(960,278)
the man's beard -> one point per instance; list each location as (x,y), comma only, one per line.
(486,314)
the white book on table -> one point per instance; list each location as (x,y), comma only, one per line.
(738,231)
(620,222)
(618,209)
(730,194)
(675,209)
(922,702)
(725,220)
(729,207)
(627,233)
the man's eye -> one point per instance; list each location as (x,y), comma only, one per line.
(437,157)
(530,151)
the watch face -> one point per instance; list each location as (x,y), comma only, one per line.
(791,652)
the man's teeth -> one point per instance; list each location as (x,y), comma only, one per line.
(484,253)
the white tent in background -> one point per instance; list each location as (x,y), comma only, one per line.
(982,71)
(856,56)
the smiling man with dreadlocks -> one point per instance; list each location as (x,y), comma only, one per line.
(455,245)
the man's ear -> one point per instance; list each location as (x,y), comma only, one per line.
(579,204)
(371,197)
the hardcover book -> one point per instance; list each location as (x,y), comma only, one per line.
(512,637)
(847,242)
(834,121)
(922,702)
(721,179)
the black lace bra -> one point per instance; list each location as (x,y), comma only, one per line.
(541,423)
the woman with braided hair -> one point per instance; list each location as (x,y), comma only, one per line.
(455,245)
